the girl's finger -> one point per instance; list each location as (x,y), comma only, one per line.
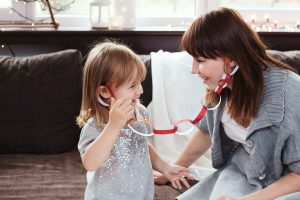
(125,103)
(113,101)
(173,184)
(128,109)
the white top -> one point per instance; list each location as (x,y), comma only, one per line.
(232,129)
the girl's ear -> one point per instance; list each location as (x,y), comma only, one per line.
(103,92)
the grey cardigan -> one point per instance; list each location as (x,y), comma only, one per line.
(274,141)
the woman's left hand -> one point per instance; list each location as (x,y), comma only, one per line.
(226,198)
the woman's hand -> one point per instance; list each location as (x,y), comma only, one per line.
(226,198)
(121,112)
(177,175)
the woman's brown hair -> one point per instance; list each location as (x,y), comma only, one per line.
(108,64)
(223,33)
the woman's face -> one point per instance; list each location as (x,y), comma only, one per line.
(209,70)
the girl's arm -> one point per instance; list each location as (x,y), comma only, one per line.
(99,150)
(172,173)
(158,164)
(285,185)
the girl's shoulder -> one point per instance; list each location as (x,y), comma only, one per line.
(91,126)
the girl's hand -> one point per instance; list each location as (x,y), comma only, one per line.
(176,174)
(159,179)
(226,198)
(120,112)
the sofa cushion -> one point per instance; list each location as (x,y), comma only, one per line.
(40,98)
(43,177)
(48,177)
(291,58)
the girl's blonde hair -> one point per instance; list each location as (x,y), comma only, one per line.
(108,64)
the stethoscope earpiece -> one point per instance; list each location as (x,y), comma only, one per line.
(102,102)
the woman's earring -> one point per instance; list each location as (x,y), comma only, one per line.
(102,102)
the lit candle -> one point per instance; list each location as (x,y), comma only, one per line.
(270,29)
(115,23)
(127,10)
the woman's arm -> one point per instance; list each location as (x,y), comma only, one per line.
(285,185)
(197,145)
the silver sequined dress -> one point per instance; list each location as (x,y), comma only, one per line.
(127,172)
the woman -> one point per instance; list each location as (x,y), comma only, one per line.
(254,134)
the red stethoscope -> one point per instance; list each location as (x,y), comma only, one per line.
(222,83)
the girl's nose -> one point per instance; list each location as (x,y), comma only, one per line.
(195,67)
(140,89)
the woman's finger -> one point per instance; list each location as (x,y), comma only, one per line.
(183,180)
(187,175)
(177,182)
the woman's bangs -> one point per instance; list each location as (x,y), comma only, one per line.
(198,44)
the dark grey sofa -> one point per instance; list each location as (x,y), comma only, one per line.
(39,100)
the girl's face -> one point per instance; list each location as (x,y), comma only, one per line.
(209,70)
(129,90)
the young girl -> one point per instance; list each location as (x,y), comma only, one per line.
(116,157)
(255,132)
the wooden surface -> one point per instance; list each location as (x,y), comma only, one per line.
(142,40)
